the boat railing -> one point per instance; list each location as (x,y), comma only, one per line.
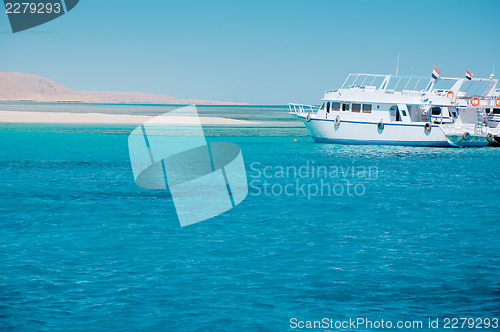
(301,108)
(484,101)
(359,79)
(493,117)
(411,93)
(407,83)
(386,83)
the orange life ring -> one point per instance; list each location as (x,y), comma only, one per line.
(450,93)
(474,101)
(497,102)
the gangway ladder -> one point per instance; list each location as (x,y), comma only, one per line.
(480,127)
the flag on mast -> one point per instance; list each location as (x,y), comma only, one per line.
(435,73)
(468,75)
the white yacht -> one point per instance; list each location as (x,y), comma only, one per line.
(387,109)
(483,104)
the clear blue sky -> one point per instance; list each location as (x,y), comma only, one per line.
(262,52)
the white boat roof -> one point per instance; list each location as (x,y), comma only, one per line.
(414,90)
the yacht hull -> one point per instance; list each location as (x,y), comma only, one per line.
(412,134)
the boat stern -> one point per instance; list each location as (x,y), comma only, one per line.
(467,140)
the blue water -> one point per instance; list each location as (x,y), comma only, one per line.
(83,248)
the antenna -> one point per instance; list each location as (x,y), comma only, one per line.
(493,72)
(397,66)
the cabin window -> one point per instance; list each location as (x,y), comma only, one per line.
(436,111)
(367,108)
(327,107)
(322,106)
(356,108)
(487,110)
(335,106)
(346,107)
(454,114)
(496,111)
(404,112)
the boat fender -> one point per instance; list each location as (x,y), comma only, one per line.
(450,93)
(497,102)
(308,118)
(489,137)
(428,127)
(466,136)
(474,101)
(337,120)
(380,125)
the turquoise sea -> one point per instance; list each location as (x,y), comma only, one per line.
(405,233)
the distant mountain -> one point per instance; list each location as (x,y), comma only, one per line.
(26,87)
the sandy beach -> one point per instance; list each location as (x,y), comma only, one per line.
(100,118)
